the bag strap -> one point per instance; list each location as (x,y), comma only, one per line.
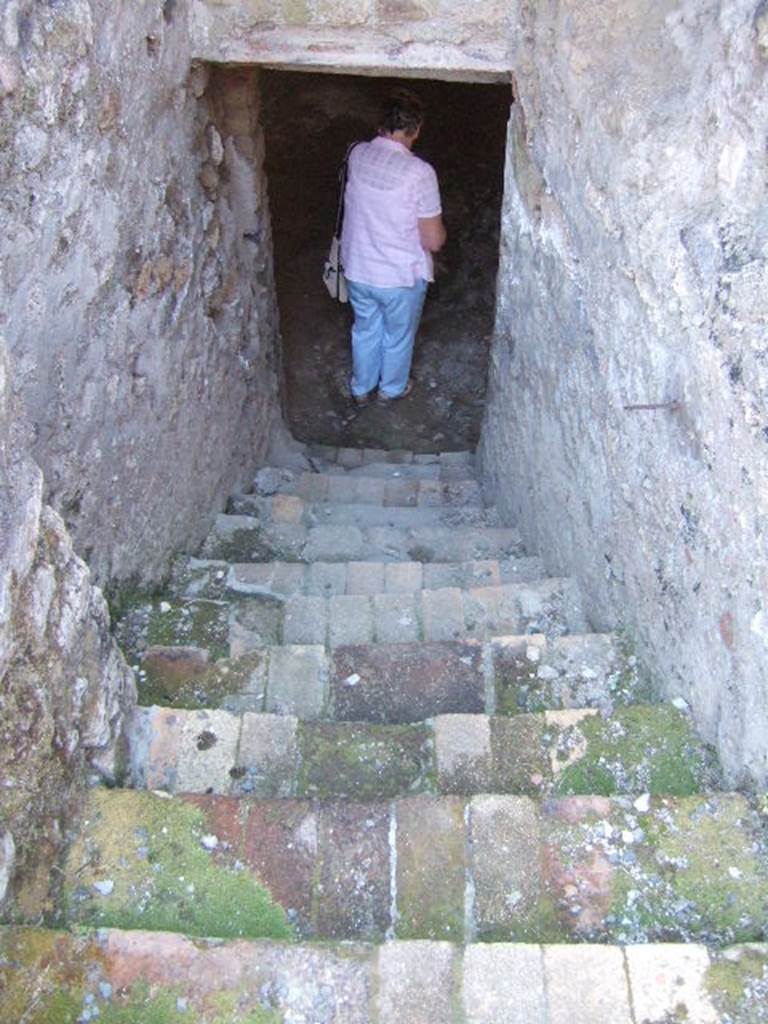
(343,170)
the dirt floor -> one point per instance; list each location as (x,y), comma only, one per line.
(310,120)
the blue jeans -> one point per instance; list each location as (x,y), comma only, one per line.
(386,320)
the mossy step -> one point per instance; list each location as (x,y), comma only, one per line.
(377,682)
(118,977)
(650,748)
(245,539)
(392,490)
(550,606)
(499,868)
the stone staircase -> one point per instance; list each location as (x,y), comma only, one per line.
(383,772)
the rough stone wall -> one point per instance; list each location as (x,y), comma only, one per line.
(64,686)
(429,38)
(135,266)
(634,271)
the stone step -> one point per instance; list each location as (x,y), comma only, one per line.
(380,682)
(281,509)
(355,458)
(549,606)
(650,747)
(492,867)
(390,490)
(161,976)
(245,539)
(207,578)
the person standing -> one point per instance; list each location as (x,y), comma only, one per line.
(392,225)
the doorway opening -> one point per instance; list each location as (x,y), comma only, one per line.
(309,120)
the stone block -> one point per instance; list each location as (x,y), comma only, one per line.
(443,614)
(416,982)
(281,849)
(351,894)
(463,753)
(365,578)
(374,455)
(255,621)
(516,662)
(520,758)
(407,682)
(313,487)
(362,761)
(670,981)
(438,575)
(343,489)
(426,459)
(287,508)
(401,492)
(189,751)
(504,984)
(335,544)
(403,577)
(586,985)
(395,618)
(482,573)
(350,620)
(266,763)
(305,620)
(491,611)
(349,457)
(297,681)
(326,579)
(168,668)
(282,578)
(431,868)
(371,490)
(506,843)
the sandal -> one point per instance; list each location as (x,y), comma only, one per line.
(384,399)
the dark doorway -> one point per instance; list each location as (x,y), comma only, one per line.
(309,120)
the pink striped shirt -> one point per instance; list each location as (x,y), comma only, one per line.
(388,190)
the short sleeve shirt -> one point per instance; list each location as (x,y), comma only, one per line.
(388,190)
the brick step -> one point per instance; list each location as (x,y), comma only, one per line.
(332,579)
(385,683)
(245,539)
(492,867)
(637,748)
(549,606)
(324,456)
(391,489)
(143,976)
(289,509)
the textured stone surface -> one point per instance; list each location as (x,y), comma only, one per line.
(132,295)
(634,215)
(587,985)
(671,980)
(64,686)
(408,970)
(504,984)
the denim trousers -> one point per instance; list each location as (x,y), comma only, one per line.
(386,321)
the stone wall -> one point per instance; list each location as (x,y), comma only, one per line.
(64,686)
(634,273)
(135,261)
(426,38)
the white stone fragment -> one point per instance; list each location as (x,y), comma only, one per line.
(210,842)
(104,888)
(680,703)
(164,607)
(643,803)
(352,680)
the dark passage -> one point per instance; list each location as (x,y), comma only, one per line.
(309,121)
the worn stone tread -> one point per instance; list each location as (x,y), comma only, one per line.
(637,749)
(141,974)
(391,490)
(499,868)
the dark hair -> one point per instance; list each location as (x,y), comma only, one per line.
(402,111)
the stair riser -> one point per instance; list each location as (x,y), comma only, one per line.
(537,755)
(497,868)
(398,983)
(392,491)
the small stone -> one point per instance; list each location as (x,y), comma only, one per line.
(533,653)
(537,779)
(547,673)
(105,887)
(210,842)
(681,704)
(627,837)
(643,803)
(182,1004)
(352,680)
(165,607)
(105,990)
(734,872)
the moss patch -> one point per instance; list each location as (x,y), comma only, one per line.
(638,749)
(139,863)
(738,985)
(206,689)
(168,621)
(364,762)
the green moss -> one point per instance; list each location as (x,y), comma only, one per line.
(640,748)
(363,761)
(737,983)
(206,690)
(161,877)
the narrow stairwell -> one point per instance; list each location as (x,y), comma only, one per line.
(384,772)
